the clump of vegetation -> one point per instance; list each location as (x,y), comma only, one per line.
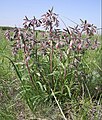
(6,28)
(58,68)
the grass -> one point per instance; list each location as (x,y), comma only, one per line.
(11,105)
(54,84)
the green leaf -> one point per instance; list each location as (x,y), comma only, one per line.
(38,74)
(15,67)
(54,73)
(69,92)
(41,86)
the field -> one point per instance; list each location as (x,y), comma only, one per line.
(50,74)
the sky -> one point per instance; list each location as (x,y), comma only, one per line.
(12,12)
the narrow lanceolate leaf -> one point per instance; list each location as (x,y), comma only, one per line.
(69,92)
(40,85)
(18,74)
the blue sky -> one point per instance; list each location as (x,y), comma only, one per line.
(12,12)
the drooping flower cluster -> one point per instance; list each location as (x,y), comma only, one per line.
(50,20)
(76,39)
(22,40)
(80,37)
